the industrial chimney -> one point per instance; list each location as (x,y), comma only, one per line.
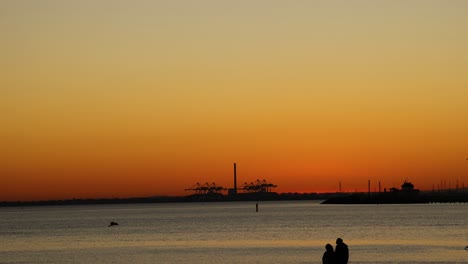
(233,191)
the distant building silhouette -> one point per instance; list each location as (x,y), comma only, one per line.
(407,187)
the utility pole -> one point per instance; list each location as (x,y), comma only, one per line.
(368,188)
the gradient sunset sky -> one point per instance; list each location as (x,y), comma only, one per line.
(140,98)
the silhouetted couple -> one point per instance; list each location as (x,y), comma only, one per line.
(339,256)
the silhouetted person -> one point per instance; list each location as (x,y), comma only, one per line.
(341,252)
(328,255)
(112,224)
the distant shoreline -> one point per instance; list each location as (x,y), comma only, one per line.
(401,197)
(328,198)
(176,199)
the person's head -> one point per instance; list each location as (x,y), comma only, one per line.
(329,247)
(339,241)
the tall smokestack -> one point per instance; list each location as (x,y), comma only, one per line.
(235,179)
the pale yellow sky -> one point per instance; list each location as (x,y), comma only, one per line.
(146,91)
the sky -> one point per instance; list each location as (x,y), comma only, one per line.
(139,98)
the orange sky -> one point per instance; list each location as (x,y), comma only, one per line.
(118,99)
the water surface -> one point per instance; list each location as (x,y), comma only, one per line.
(232,232)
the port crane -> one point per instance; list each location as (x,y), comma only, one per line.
(258,186)
(206,188)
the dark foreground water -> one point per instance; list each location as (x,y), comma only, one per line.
(281,232)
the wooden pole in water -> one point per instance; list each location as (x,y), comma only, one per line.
(256,207)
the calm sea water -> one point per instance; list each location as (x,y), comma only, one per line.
(281,232)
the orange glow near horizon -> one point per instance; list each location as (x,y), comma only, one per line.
(142,99)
